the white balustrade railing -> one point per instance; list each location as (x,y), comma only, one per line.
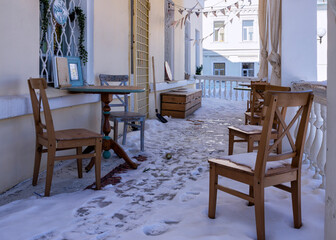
(315,151)
(223,86)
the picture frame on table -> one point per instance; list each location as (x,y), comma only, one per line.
(75,71)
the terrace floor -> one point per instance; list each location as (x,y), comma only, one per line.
(164,198)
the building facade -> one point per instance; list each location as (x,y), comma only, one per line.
(231,44)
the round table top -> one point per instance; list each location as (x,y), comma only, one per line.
(106,89)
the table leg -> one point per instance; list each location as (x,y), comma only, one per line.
(108,142)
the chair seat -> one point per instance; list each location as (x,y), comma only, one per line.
(73,134)
(249,129)
(246,163)
(126,115)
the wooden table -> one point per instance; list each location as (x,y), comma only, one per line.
(106,95)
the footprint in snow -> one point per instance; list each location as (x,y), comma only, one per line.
(185,197)
(155,229)
(94,203)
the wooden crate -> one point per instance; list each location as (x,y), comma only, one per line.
(180,103)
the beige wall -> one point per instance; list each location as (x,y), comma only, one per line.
(111,37)
(19,45)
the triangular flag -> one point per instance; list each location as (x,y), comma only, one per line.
(222,11)
(211,34)
(238,15)
(197,14)
(185,19)
(194,42)
(182,22)
(237,5)
(180,11)
(229,8)
(214,13)
(231,20)
(205,14)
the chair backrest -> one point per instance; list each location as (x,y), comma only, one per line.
(38,101)
(274,100)
(258,91)
(106,79)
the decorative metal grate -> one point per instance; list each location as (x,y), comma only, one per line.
(57,39)
(141,53)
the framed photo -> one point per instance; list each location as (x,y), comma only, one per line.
(75,71)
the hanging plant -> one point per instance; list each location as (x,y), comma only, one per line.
(78,12)
(44,6)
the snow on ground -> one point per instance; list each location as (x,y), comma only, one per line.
(163,198)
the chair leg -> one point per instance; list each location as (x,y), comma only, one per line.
(50,169)
(231,142)
(250,143)
(212,191)
(98,148)
(38,155)
(296,201)
(259,211)
(124,133)
(251,193)
(79,163)
(142,135)
(115,130)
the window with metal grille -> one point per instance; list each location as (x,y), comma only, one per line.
(59,39)
(218,31)
(247,30)
(219,69)
(247,69)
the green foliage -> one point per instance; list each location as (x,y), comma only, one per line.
(81,23)
(44,6)
(199,70)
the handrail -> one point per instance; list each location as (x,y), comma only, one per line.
(316,144)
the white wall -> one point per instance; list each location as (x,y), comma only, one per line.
(298,50)
(330,210)
(322,48)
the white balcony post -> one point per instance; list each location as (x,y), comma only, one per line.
(311,136)
(317,140)
(322,155)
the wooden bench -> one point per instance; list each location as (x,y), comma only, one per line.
(180,103)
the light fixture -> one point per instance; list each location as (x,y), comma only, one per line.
(320,34)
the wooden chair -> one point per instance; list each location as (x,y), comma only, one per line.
(252,133)
(48,140)
(264,169)
(128,118)
(252,115)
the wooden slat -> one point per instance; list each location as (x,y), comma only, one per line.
(235,193)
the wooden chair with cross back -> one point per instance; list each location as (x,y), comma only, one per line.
(265,168)
(134,119)
(252,133)
(252,114)
(50,141)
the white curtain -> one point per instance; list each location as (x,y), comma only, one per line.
(275,34)
(263,34)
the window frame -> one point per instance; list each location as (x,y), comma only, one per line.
(218,69)
(248,30)
(217,31)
